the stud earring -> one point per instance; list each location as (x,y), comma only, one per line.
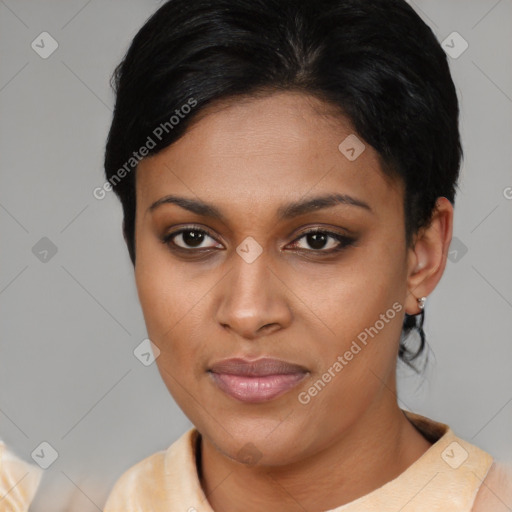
(421,302)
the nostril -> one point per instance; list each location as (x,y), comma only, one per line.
(268,327)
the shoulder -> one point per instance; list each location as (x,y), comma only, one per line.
(495,493)
(157,482)
(137,487)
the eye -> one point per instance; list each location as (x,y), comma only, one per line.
(322,241)
(190,238)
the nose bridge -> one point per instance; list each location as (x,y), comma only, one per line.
(251,296)
(249,285)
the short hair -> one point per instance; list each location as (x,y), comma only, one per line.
(374,61)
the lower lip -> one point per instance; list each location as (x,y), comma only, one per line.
(256,389)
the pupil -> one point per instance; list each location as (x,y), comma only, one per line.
(192,238)
(317,240)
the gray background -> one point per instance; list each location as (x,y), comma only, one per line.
(69,324)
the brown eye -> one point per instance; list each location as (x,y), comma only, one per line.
(190,239)
(322,241)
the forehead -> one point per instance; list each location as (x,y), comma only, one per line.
(276,148)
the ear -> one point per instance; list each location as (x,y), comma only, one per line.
(427,258)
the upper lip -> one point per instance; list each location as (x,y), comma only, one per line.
(256,368)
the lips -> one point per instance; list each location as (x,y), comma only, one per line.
(258,380)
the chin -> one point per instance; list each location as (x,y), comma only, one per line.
(261,442)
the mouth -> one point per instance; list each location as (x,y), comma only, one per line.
(256,381)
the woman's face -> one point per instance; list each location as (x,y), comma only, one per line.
(246,281)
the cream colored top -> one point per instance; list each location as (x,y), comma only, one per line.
(18,482)
(447,477)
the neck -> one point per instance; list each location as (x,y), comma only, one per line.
(378,448)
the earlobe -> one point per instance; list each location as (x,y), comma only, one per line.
(427,259)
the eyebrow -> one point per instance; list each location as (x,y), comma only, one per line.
(287,211)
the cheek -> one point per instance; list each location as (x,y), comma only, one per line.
(361,303)
(172,299)
(364,313)
(169,314)
(353,295)
(157,295)
(162,293)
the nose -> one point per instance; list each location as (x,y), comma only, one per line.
(252,299)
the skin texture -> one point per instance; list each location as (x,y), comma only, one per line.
(249,158)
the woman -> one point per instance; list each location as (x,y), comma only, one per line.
(287,171)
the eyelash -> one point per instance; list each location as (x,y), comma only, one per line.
(344,241)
